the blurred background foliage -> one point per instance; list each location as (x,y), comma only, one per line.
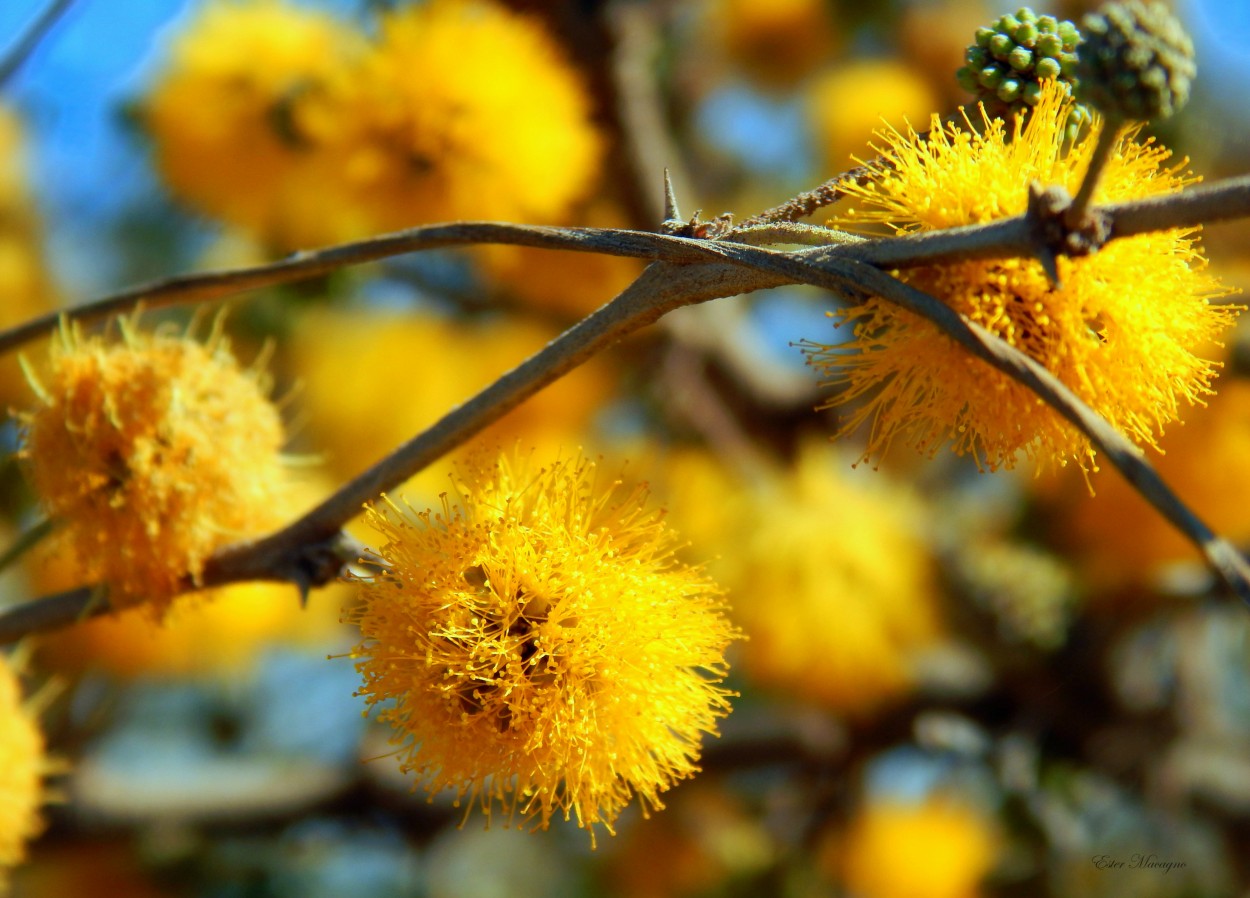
(954,683)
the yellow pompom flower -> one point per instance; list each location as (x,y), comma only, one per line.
(537,647)
(462,109)
(833,586)
(1123,331)
(949,845)
(226,117)
(22,765)
(153,451)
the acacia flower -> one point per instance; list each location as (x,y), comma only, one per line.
(537,647)
(153,451)
(833,583)
(22,765)
(509,137)
(1123,331)
(953,844)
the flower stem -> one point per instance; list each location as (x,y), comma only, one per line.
(1107,138)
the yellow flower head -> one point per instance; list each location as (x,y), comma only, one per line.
(950,845)
(833,586)
(463,109)
(227,116)
(153,451)
(22,764)
(1122,332)
(537,646)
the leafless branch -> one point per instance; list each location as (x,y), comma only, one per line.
(725,268)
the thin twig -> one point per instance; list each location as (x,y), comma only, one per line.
(730,268)
(1107,139)
(28,539)
(1122,453)
(997,239)
(808,202)
(283,555)
(215,285)
(30,40)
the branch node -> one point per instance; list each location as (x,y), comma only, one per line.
(1053,234)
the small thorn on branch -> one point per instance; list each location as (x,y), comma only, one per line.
(671,213)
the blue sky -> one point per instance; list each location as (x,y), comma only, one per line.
(87,167)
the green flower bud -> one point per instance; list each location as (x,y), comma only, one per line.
(1009,59)
(1047,69)
(1050,45)
(1020,59)
(1009,91)
(991,77)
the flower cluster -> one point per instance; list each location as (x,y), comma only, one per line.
(829,571)
(337,135)
(537,647)
(153,451)
(1123,328)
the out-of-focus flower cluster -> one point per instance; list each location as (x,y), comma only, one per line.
(340,135)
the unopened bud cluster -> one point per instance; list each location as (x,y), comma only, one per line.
(1137,62)
(1013,56)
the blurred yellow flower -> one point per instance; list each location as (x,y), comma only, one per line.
(25,287)
(153,451)
(509,137)
(948,847)
(22,765)
(537,647)
(850,103)
(227,119)
(219,632)
(1122,332)
(833,585)
(777,42)
(347,362)
(1204,462)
